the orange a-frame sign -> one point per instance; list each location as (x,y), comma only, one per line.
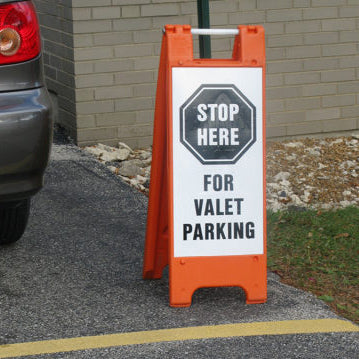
(206,215)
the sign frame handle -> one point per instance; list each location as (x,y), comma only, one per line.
(216,32)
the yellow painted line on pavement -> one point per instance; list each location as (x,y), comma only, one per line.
(177,334)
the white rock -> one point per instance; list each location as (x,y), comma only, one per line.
(122,154)
(284,183)
(296,200)
(321,166)
(93,150)
(306,196)
(351,163)
(145,155)
(126,179)
(105,148)
(122,145)
(276,206)
(113,169)
(118,155)
(348,164)
(346,193)
(107,157)
(327,205)
(107,153)
(270,195)
(130,169)
(281,176)
(275,186)
(293,144)
(338,140)
(146,162)
(313,151)
(141,179)
(137,162)
(352,142)
(134,182)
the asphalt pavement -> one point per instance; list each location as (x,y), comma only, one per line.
(77,272)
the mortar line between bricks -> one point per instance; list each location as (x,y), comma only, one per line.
(178,334)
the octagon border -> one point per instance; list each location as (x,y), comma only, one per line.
(253,120)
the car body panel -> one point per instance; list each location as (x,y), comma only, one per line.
(25,117)
(25,128)
(21,76)
(25,141)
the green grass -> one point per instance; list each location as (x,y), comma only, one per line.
(318,251)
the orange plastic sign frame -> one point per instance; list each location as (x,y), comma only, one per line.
(188,273)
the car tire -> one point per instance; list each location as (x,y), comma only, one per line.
(13,220)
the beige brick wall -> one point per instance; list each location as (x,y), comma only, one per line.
(312,62)
(312,67)
(116,67)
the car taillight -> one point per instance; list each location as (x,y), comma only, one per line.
(19,32)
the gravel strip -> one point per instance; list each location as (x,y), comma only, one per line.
(315,173)
(301,173)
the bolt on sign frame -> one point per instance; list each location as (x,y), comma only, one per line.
(201,254)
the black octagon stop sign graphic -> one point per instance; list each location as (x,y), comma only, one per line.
(218,124)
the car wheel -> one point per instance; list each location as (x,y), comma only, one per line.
(13,220)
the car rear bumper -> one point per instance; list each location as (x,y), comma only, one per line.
(25,142)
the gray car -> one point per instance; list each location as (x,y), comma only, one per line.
(25,116)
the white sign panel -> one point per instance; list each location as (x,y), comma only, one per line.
(217,161)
